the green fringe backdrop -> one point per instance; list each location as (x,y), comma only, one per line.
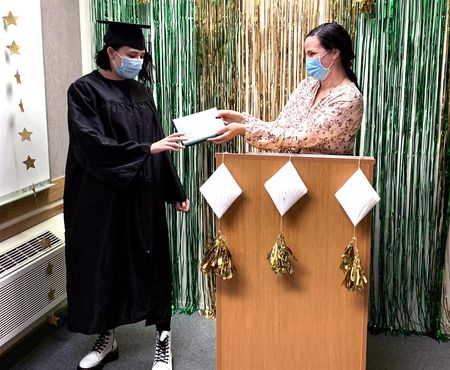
(402,65)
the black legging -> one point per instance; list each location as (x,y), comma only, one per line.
(163,326)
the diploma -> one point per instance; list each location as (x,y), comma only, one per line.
(199,126)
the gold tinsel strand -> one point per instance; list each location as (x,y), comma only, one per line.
(279,257)
(218,259)
(208,314)
(364,6)
(271,52)
(351,266)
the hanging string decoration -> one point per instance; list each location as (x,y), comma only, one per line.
(357,197)
(401,62)
(285,187)
(220,191)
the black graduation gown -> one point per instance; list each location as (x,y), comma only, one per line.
(117,253)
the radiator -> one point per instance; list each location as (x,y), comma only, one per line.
(32,278)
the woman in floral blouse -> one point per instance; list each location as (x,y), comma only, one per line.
(324,113)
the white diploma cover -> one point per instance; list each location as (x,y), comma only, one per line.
(199,126)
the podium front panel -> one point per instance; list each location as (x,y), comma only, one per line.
(306,320)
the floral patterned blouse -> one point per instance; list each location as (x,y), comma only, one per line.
(327,127)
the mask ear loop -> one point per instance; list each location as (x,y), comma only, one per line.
(329,67)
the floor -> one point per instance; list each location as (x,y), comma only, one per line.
(194,349)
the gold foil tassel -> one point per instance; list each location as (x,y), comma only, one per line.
(351,266)
(218,259)
(279,257)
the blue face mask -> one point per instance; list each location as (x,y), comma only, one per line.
(129,67)
(315,68)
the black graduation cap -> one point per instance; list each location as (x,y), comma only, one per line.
(124,34)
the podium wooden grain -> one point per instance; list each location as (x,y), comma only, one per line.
(307,320)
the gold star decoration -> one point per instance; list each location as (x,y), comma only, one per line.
(53,319)
(10,19)
(29,162)
(51,294)
(13,48)
(22,109)
(44,243)
(25,134)
(49,268)
(17,76)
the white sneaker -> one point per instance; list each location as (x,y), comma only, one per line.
(163,352)
(103,351)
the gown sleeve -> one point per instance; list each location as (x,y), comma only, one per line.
(173,190)
(338,117)
(101,156)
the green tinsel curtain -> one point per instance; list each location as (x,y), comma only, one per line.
(402,68)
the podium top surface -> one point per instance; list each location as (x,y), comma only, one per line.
(308,157)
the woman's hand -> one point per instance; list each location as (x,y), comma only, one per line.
(228,133)
(183,206)
(170,142)
(229,116)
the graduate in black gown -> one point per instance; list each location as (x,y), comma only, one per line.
(119,177)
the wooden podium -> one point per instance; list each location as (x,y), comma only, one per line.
(307,320)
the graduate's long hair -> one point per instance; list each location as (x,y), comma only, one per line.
(334,36)
(145,74)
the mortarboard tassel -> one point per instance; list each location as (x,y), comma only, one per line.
(218,259)
(351,266)
(279,257)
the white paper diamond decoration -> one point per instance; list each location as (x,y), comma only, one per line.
(285,188)
(220,190)
(357,197)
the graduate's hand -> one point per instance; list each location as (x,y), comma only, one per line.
(170,142)
(228,133)
(229,116)
(183,206)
